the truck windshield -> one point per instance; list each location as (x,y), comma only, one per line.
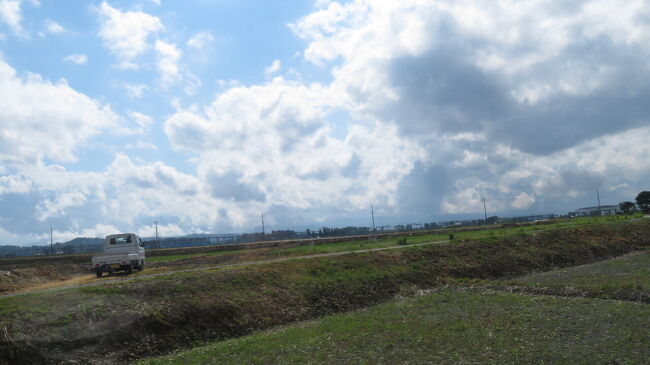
(120,240)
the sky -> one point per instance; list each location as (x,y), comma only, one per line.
(203,115)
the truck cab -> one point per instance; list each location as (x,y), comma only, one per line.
(122,252)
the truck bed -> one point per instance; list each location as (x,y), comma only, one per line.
(111,258)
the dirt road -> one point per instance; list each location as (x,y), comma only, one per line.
(90,280)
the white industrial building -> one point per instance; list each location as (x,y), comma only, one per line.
(590,211)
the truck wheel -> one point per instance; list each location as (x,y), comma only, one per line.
(141,265)
(129,269)
(98,273)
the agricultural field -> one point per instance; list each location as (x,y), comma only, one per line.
(625,278)
(450,326)
(148,315)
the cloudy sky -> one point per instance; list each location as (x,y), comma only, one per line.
(205,114)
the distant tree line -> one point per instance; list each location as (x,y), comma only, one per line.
(76,246)
(642,203)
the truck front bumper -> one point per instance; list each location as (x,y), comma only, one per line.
(110,268)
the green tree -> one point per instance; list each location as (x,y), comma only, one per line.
(626,207)
(643,201)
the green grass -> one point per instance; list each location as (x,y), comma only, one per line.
(154,259)
(451,326)
(489,233)
(486,233)
(353,245)
(15,305)
(630,272)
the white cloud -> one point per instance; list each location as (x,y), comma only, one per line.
(99,230)
(534,81)
(200,40)
(14,184)
(142,145)
(135,90)
(127,196)
(523,201)
(96,231)
(275,67)
(33,130)
(53,27)
(56,207)
(170,69)
(164,230)
(270,145)
(79,59)
(167,64)
(11,16)
(61,194)
(154,190)
(126,34)
(467,200)
(613,163)
(143,120)
(502,64)
(609,161)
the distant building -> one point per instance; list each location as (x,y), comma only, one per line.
(596,211)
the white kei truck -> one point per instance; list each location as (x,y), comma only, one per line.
(122,252)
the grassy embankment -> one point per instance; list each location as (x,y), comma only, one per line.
(45,271)
(475,324)
(120,322)
(489,232)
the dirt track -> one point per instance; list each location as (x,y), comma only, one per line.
(90,280)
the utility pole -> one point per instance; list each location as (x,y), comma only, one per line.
(600,212)
(157,238)
(372,212)
(263,231)
(484,209)
(51,251)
